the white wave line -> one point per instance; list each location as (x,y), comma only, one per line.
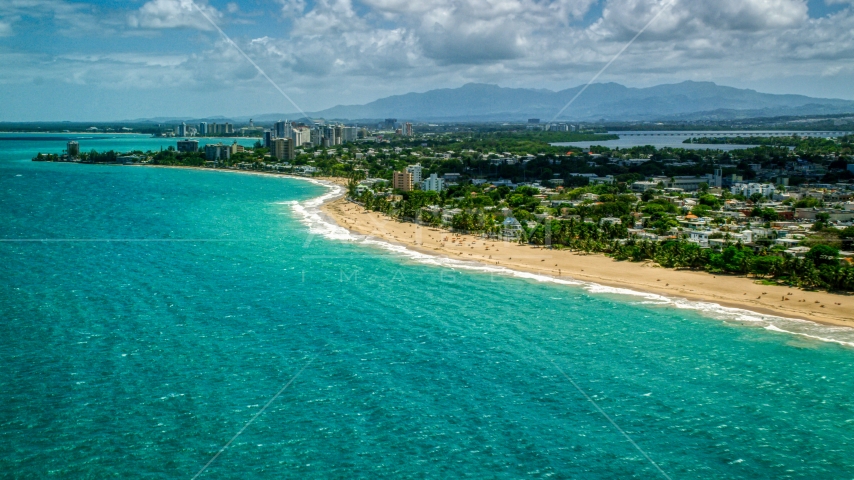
(775,328)
(262,72)
(625,47)
(311,216)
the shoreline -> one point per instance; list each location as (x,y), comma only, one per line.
(734,292)
(697,286)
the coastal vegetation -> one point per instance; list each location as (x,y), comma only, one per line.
(801,144)
(600,226)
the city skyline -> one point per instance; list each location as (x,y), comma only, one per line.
(103,60)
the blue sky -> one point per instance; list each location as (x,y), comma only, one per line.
(109,60)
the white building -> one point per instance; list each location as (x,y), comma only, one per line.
(511,228)
(700,237)
(349,134)
(306,169)
(448,215)
(415,170)
(643,186)
(748,189)
(607,180)
(300,136)
(433,184)
(691,184)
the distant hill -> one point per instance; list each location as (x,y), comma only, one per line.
(609,101)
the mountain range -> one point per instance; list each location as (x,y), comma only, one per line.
(606,101)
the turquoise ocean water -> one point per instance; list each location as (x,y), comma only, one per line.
(148,314)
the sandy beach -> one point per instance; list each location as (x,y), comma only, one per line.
(727,290)
(730,291)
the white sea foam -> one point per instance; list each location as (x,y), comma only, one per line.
(310,214)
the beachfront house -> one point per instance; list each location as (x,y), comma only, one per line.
(448,215)
(511,229)
(700,237)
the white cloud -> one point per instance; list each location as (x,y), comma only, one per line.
(342,51)
(160,14)
(329,17)
(539,43)
(143,59)
(70,19)
(454,32)
(292,8)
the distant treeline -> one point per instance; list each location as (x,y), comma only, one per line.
(166,157)
(812,144)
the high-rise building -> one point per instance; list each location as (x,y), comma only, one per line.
(316,136)
(533,120)
(217,152)
(415,170)
(73,148)
(407,129)
(236,148)
(220,129)
(188,145)
(203,128)
(301,136)
(283,149)
(330,138)
(433,183)
(402,181)
(269,136)
(349,134)
(282,129)
(389,123)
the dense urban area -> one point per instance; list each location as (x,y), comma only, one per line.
(781,211)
